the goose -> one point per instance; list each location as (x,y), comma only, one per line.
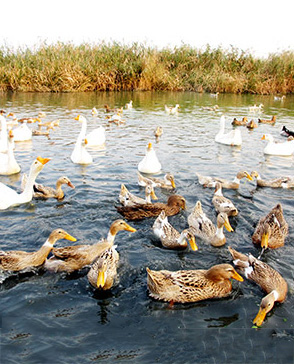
(150,163)
(3,134)
(266,277)
(274,148)
(22,133)
(232,138)
(208,181)
(170,237)
(9,197)
(126,198)
(80,155)
(96,137)
(191,285)
(17,260)
(172,109)
(168,181)
(8,163)
(223,204)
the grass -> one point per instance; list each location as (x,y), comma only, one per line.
(64,67)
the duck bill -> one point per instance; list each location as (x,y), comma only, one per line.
(70,185)
(77,117)
(228,225)
(70,238)
(264,240)
(193,244)
(43,160)
(259,317)
(248,176)
(153,196)
(263,137)
(129,228)
(237,277)
(173,183)
(101,279)
(149,146)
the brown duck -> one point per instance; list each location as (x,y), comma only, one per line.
(251,124)
(268,121)
(174,205)
(266,277)
(242,122)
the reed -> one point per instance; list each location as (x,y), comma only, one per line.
(65,67)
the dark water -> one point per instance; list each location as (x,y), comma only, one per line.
(59,318)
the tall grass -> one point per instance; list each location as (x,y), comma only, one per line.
(64,67)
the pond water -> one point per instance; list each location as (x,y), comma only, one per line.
(59,318)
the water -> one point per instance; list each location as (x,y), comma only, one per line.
(59,318)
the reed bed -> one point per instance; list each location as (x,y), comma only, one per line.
(65,67)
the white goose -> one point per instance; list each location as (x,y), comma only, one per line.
(274,148)
(3,134)
(80,155)
(8,163)
(150,162)
(96,137)
(9,197)
(232,138)
(22,133)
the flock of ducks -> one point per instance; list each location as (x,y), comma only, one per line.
(102,257)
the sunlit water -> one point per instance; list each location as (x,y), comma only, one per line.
(59,318)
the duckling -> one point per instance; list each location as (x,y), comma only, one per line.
(191,285)
(207,181)
(251,124)
(242,122)
(168,181)
(170,238)
(266,277)
(72,258)
(278,182)
(126,198)
(271,230)
(44,192)
(172,109)
(17,260)
(266,121)
(223,204)
(174,205)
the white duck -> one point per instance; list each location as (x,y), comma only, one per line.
(8,163)
(3,135)
(9,197)
(171,109)
(232,138)
(129,105)
(150,162)
(96,137)
(274,148)
(22,133)
(80,155)
(255,109)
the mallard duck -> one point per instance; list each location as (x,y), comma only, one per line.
(286,132)
(129,105)
(8,163)
(271,230)
(170,237)
(274,148)
(207,181)
(266,277)
(232,138)
(17,260)
(268,121)
(242,122)
(103,271)
(150,162)
(203,227)
(191,285)
(251,124)
(174,204)
(221,203)
(80,155)
(158,132)
(9,197)
(168,181)
(72,258)
(95,137)
(172,109)
(278,182)
(3,135)
(126,198)
(255,109)
(44,192)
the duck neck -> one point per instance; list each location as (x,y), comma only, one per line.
(59,192)
(110,238)
(40,256)
(182,239)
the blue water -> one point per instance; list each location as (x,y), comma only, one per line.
(60,318)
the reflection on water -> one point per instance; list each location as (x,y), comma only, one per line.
(60,318)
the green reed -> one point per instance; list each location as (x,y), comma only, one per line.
(65,67)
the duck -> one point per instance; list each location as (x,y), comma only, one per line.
(271,229)
(94,138)
(208,181)
(203,227)
(214,94)
(108,109)
(12,122)
(18,260)
(158,132)
(22,133)
(168,181)
(279,98)
(129,105)
(268,121)
(242,122)
(286,132)
(256,109)
(8,163)
(251,124)
(266,277)
(278,182)
(223,204)
(174,205)
(172,109)
(210,108)
(126,198)
(103,271)
(9,197)
(44,192)
(116,118)
(80,155)
(3,134)
(191,285)
(170,237)
(94,111)
(76,257)
(273,148)
(234,137)
(150,163)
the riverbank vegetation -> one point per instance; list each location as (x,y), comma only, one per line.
(64,67)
